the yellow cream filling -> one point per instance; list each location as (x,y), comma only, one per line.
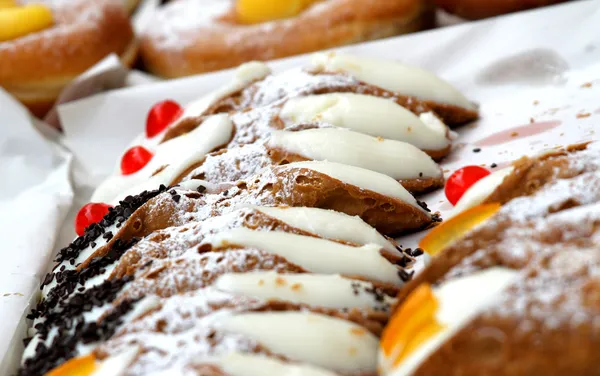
(17,21)
(257,11)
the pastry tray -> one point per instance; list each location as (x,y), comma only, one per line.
(534,75)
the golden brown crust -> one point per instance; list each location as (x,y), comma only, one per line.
(159,246)
(451,115)
(476,9)
(530,174)
(536,172)
(130,5)
(388,215)
(214,337)
(278,186)
(544,322)
(36,67)
(491,345)
(208,47)
(415,186)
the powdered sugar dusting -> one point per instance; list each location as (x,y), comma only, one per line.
(555,289)
(175,23)
(292,83)
(234,164)
(557,253)
(183,331)
(70,17)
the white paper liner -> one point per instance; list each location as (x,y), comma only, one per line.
(506,64)
(34,199)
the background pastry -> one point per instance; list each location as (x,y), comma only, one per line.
(475,9)
(190,36)
(45,44)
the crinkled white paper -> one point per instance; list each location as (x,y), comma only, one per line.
(35,196)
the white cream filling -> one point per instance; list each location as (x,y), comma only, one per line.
(375,116)
(434,124)
(240,364)
(392,76)
(398,160)
(331,291)
(460,300)
(243,76)
(193,184)
(321,340)
(170,160)
(361,178)
(481,190)
(315,254)
(329,224)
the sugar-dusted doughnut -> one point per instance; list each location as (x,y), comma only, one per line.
(475,9)
(42,51)
(190,36)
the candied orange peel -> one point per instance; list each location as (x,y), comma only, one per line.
(448,232)
(257,11)
(411,326)
(81,366)
(18,21)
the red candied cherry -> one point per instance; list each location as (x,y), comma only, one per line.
(461,180)
(135,159)
(89,214)
(161,115)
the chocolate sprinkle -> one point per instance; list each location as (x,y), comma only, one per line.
(69,281)
(493,165)
(417,252)
(423,206)
(72,329)
(118,214)
(404,275)
(476,150)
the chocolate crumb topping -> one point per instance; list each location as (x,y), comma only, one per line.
(423,206)
(404,275)
(72,328)
(119,214)
(68,281)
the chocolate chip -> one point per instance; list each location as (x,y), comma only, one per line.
(423,206)
(118,214)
